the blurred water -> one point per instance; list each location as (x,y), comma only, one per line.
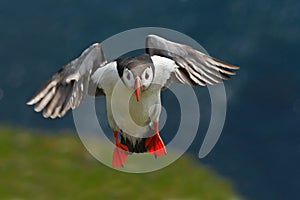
(260,145)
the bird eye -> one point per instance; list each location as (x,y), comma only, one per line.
(128,76)
(146,76)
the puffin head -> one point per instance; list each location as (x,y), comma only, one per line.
(136,73)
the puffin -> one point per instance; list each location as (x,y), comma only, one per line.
(132,87)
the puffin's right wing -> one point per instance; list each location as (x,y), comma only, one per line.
(66,89)
(191,66)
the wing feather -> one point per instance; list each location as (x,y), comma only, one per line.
(194,67)
(67,88)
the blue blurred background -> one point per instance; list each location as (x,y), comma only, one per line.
(259,149)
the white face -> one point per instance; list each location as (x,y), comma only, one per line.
(128,78)
(146,78)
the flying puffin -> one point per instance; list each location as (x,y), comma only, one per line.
(132,87)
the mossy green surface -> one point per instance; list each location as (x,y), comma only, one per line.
(57,166)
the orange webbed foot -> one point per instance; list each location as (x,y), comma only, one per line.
(120,153)
(155,145)
(119,157)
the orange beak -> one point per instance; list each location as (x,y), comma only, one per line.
(137,88)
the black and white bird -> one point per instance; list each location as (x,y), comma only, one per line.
(132,87)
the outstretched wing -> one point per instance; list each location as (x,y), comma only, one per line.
(192,66)
(66,89)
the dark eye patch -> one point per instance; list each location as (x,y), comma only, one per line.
(128,76)
(146,75)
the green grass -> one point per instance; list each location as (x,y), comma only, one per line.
(48,166)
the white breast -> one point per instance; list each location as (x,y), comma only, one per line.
(124,113)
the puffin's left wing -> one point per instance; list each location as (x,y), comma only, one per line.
(192,66)
(66,89)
